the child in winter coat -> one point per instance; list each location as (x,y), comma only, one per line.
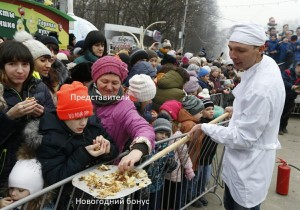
(184,163)
(207,153)
(166,164)
(71,140)
(25,179)
(141,91)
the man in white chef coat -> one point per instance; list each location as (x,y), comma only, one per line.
(251,139)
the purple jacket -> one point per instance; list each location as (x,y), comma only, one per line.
(122,122)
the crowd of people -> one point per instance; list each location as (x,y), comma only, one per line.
(64,111)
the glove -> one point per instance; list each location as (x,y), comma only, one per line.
(189,174)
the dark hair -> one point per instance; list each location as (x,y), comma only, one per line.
(82,72)
(294,38)
(52,80)
(71,38)
(11,51)
(92,38)
(54,34)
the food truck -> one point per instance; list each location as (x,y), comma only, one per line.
(35,18)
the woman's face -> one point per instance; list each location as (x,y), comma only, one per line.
(215,73)
(109,84)
(77,125)
(17,72)
(98,49)
(43,65)
(153,62)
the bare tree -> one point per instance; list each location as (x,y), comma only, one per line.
(201,21)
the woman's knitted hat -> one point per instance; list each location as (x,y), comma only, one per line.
(73,102)
(192,104)
(27,174)
(109,65)
(36,48)
(141,88)
(192,85)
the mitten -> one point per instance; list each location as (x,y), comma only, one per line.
(189,173)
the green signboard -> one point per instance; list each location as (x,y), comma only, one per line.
(34,18)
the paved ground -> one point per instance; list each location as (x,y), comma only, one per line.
(290,152)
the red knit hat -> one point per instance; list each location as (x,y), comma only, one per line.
(73,102)
(172,107)
(107,65)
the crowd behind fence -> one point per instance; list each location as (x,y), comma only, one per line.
(174,195)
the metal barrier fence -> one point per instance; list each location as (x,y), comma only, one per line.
(217,99)
(169,189)
(296,109)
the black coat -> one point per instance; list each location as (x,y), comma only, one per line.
(289,79)
(62,152)
(11,131)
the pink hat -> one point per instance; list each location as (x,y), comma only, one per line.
(109,65)
(172,107)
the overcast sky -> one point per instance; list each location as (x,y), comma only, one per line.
(284,11)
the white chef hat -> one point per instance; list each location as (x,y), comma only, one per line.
(248,33)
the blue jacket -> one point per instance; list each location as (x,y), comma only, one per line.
(157,170)
(273,45)
(289,79)
(282,52)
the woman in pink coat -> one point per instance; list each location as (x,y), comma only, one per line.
(117,113)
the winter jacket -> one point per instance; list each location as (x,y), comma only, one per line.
(86,58)
(205,85)
(122,122)
(217,84)
(169,87)
(187,120)
(141,67)
(32,140)
(273,45)
(183,161)
(157,170)
(282,52)
(62,152)
(11,132)
(289,79)
(146,113)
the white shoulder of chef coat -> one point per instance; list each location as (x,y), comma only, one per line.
(257,108)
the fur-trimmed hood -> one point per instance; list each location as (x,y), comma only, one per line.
(32,140)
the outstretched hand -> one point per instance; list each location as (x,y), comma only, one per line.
(128,161)
(196,128)
(229,109)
